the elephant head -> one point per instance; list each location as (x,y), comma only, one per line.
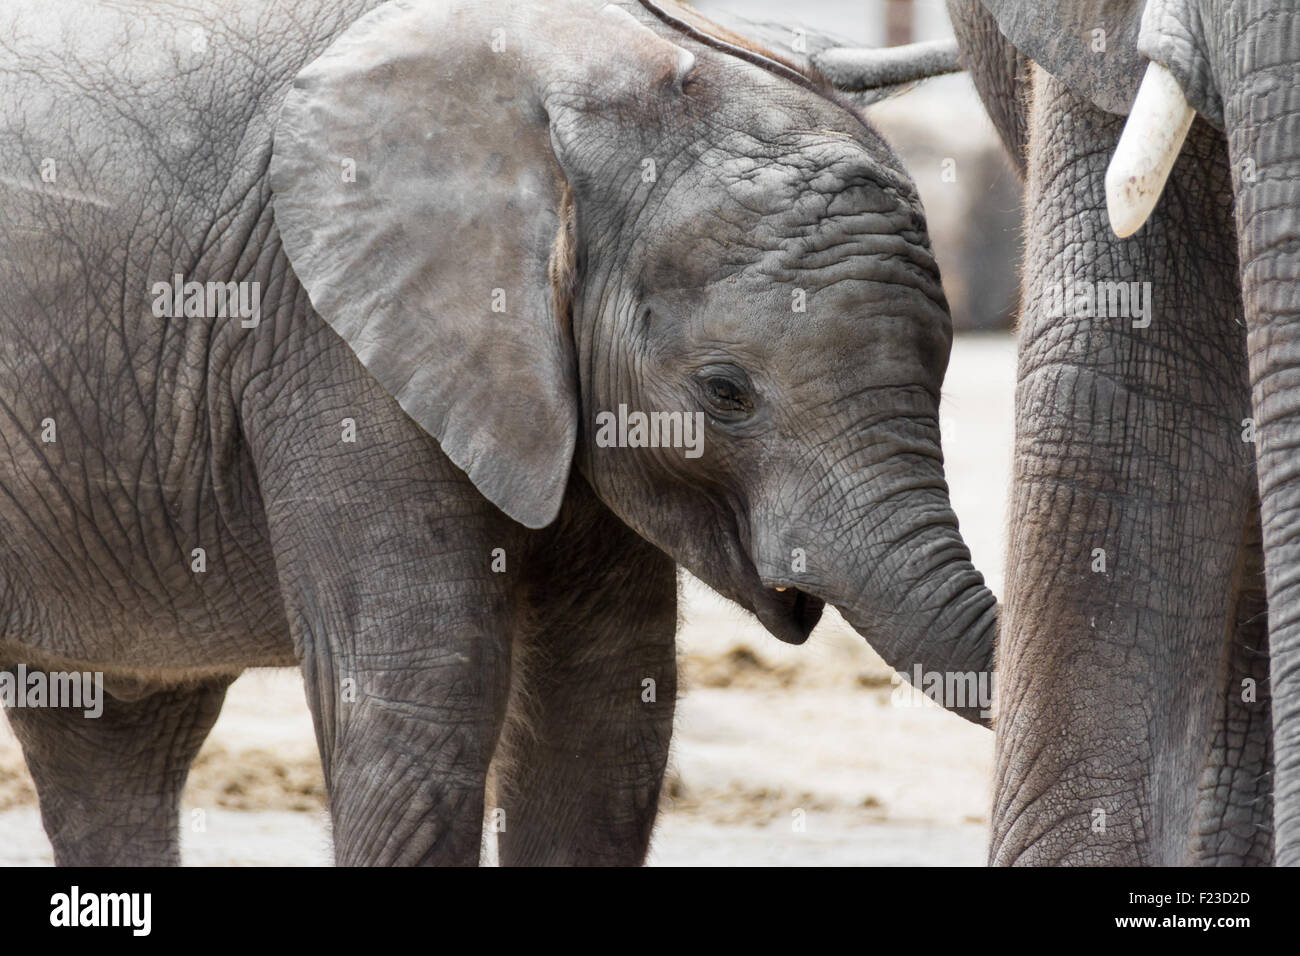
(580,235)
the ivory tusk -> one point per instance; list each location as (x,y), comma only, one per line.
(859,70)
(1151,141)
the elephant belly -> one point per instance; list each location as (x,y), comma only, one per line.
(124,561)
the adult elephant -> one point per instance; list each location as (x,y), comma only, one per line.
(468,244)
(1158,413)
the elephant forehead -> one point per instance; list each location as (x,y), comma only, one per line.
(842,248)
(750,305)
(802,167)
(853,333)
(814,216)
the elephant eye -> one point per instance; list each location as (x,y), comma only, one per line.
(728,398)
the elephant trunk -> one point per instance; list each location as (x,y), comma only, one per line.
(917,599)
(1256,76)
(1259,118)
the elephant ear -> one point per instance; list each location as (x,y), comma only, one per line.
(1089,45)
(422,206)
(1100,48)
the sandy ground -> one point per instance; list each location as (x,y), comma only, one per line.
(782,755)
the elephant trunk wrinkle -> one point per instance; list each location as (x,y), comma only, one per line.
(924,607)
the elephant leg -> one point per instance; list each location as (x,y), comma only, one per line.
(384,556)
(110,786)
(1234,813)
(591,717)
(1132,486)
(406,735)
(404,640)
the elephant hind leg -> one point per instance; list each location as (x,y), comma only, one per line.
(110,786)
(1234,813)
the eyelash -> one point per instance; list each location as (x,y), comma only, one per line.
(727,395)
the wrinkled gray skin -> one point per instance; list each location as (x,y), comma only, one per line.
(1123,691)
(369,564)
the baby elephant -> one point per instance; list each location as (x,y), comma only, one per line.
(413,346)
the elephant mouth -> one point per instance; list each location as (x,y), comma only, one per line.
(790,614)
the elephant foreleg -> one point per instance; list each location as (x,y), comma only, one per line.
(384,552)
(406,669)
(584,756)
(1132,487)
